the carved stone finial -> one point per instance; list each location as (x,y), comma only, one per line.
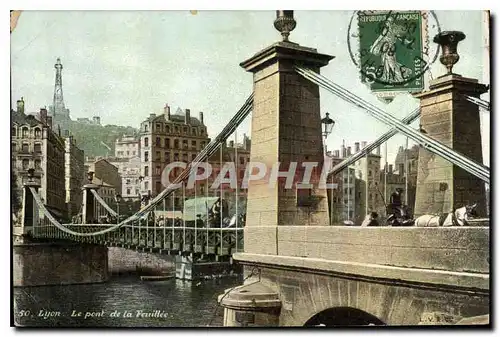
(285,23)
(449,41)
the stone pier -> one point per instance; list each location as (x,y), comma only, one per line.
(42,264)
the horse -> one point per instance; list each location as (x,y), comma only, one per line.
(459,217)
(400,216)
(370,220)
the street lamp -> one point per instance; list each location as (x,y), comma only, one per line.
(90,176)
(118,199)
(31,175)
(328,124)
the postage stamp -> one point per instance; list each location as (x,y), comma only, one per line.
(391,48)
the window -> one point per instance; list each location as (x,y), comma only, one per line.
(145,127)
(176,129)
(176,143)
(38,148)
(128,191)
(25,132)
(167,128)
(167,143)
(167,157)
(242,160)
(202,145)
(13,132)
(26,164)
(202,188)
(128,181)
(146,171)
(185,129)
(158,155)
(184,144)
(185,157)
(146,185)
(193,156)
(202,132)
(38,133)
(128,152)
(146,156)
(345,190)
(158,187)
(25,148)
(193,144)
(369,173)
(133,153)
(14,147)
(158,170)
(38,164)
(176,157)
(158,141)
(158,127)
(146,141)
(193,131)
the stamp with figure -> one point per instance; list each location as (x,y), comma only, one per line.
(390,48)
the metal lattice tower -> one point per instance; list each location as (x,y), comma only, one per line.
(58,92)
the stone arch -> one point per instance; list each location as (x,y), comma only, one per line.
(342,316)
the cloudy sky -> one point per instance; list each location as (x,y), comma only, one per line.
(123,65)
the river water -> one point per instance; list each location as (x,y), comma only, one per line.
(124,301)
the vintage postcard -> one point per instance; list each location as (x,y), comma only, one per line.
(212,168)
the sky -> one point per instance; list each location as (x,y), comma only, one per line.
(124,65)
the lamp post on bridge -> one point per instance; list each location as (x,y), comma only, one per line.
(328,124)
(118,199)
(89,199)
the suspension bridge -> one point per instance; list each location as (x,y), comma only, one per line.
(299,270)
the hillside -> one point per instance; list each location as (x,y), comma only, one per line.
(90,137)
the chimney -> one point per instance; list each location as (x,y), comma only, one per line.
(20,105)
(356,147)
(231,143)
(187,115)
(96,120)
(201,117)
(378,150)
(348,151)
(329,153)
(363,144)
(49,120)
(43,115)
(342,151)
(166,110)
(336,154)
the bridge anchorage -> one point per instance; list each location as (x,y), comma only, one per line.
(302,264)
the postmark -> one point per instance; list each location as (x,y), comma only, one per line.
(391,49)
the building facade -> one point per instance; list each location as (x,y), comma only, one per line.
(35,145)
(106,172)
(127,147)
(129,170)
(168,138)
(74,171)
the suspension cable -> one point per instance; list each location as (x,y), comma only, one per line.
(478,170)
(103,203)
(372,146)
(479,102)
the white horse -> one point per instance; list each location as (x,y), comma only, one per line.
(459,217)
